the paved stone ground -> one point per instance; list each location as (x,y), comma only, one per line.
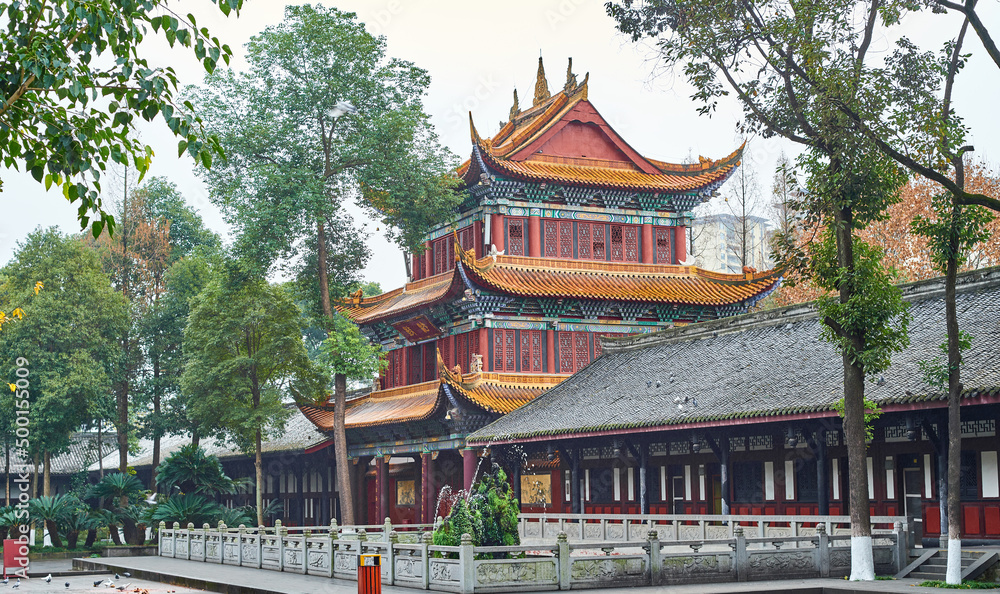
(85,583)
(227,578)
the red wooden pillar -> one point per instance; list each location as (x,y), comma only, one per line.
(484,347)
(534,236)
(477,238)
(428,259)
(382,487)
(550,353)
(680,243)
(428,502)
(496,231)
(468,467)
(648,249)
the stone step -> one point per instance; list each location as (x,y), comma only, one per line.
(926,575)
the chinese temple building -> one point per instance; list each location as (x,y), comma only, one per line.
(566,234)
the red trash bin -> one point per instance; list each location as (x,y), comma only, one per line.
(14,563)
(369,574)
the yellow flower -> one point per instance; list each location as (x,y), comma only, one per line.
(13,388)
(38,287)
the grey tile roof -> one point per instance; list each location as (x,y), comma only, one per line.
(81,454)
(756,365)
(299,434)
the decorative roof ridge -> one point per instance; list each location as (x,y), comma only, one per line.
(410,286)
(617,268)
(798,312)
(704,165)
(522,380)
(400,391)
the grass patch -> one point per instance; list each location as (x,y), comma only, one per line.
(966,585)
(884,577)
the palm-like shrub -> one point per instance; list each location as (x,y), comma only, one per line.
(54,510)
(272,510)
(488,514)
(234,516)
(117,485)
(79,520)
(192,471)
(185,509)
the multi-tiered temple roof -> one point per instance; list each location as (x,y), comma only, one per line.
(567,234)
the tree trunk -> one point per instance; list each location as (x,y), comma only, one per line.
(47,474)
(862,562)
(953,572)
(100,453)
(113,533)
(53,534)
(91,538)
(156,428)
(195,437)
(71,539)
(344,483)
(34,475)
(121,405)
(258,465)
(6,473)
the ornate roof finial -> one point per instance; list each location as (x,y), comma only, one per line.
(570,77)
(515,109)
(541,85)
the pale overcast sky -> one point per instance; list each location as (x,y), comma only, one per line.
(477,53)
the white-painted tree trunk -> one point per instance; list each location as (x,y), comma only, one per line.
(862,562)
(953,573)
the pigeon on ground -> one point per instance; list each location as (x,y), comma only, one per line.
(118,577)
(17,584)
(48,579)
(5,580)
(98,583)
(127,574)
(123,588)
(67,584)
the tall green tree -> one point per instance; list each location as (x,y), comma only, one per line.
(74,78)
(244,352)
(295,154)
(69,336)
(755,50)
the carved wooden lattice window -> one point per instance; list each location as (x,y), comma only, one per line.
(498,350)
(631,244)
(504,351)
(531,351)
(617,250)
(394,372)
(414,365)
(467,237)
(581,343)
(462,351)
(566,239)
(443,251)
(583,237)
(515,237)
(597,343)
(566,352)
(664,255)
(748,482)
(968,484)
(430,361)
(444,345)
(437,251)
(551,239)
(598,231)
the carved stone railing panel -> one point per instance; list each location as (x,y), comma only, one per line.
(503,574)
(445,572)
(270,554)
(618,570)
(787,564)
(409,568)
(698,568)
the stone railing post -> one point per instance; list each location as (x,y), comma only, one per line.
(823,550)
(163,526)
(190,533)
(223,530)
(241,532)
(386,529)
(177,527)
(655,560)
(280,532)
(902,546)
(740,552)
(261,533)
(562,556)
(362,539)
(206,528)
(391,555)
(426,540)
(467,559)
(334,530)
